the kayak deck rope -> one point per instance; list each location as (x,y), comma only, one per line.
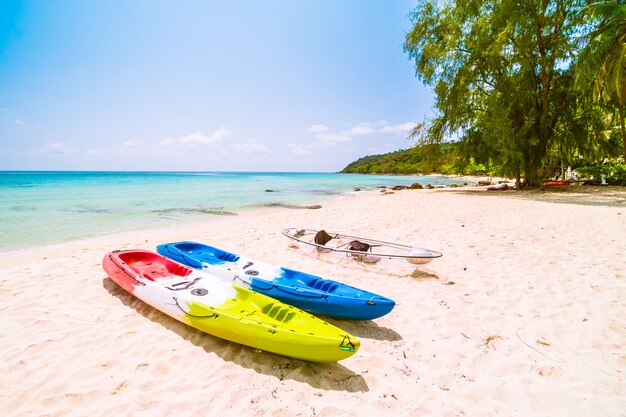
(188,285)
(214,315)
(125,271)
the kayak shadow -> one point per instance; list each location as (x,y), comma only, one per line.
(327,376)
(351,265)
(365,329)
(424,275)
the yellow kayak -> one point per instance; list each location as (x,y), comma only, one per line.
(223,309)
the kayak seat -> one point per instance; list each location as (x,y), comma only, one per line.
(155,272)
(206,253)
(152,266)
(215,259)
(322,285)
(278,312)
(228,257)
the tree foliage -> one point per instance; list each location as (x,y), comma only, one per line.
(601,67)
(502,72)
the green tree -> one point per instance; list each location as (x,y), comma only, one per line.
(501,72)
(601,66)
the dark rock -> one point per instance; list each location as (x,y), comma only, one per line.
(216,212)
(429,186)
(220,212)
(293,206)
(416,186)
(357,189)
(399,187)
(270,191)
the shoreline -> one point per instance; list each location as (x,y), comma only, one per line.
(607,195)
(193,216)
(113,202)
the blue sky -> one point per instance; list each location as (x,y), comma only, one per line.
(206,85)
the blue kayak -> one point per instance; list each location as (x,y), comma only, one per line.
(305,291)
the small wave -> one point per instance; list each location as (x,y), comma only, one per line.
(23,208)
(283,205)
(215,212)
(95,210)
(4,184)
(323,192)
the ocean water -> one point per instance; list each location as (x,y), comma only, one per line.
(39,208)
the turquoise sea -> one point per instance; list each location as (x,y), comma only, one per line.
(39,208)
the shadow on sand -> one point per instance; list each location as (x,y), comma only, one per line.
(365,329)
(328,376)
(423,275)
(355,267)
(584,195)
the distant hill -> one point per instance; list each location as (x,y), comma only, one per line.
(403,161)
(407,161)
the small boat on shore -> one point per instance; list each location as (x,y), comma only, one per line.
(557,183)
(225,310)
(500,187)
(308,292)
(366,250)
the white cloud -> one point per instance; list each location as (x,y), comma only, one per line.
(330,138)
(300,149)
(199,138)
(20,122)
(93,152)
(326,137)
(317,128)
(251,147)
(402,127)
(57,148)
(131,143)
(361,129)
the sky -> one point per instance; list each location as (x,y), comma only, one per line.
(205,85)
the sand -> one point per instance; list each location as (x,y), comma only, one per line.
(524,315)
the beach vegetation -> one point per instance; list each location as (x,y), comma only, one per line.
(601,67)
(507,92)
(611,173)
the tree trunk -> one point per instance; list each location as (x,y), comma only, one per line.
(562,171)
(621,121)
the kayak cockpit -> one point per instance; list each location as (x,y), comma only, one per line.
(152,266)
(205,253)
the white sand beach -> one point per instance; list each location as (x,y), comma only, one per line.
(522,316)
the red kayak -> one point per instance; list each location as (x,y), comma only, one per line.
(557,182)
